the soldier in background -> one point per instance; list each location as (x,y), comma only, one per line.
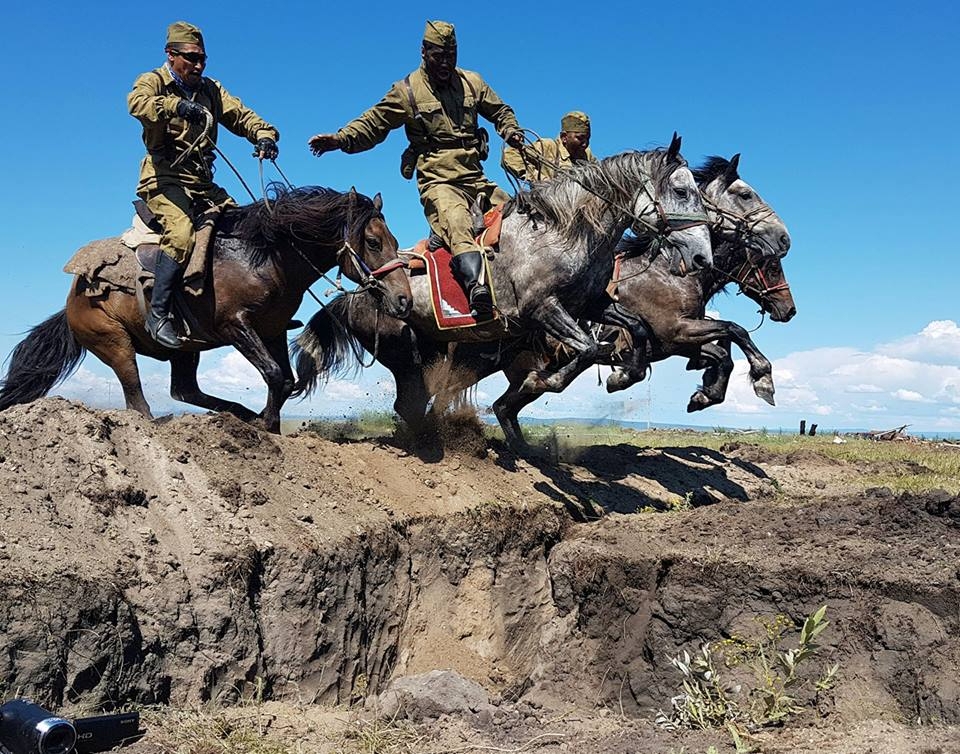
(438,106)
(171,102)
(552,155)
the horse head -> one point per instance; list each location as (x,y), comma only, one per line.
(679,223)
(736,210)
(369,258)
(750,238)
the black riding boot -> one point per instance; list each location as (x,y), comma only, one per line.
(166,277)
(468,269)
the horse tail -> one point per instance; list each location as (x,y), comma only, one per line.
(46,357)
(326,347)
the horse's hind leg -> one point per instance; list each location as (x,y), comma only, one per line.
(110,342)
(184,387)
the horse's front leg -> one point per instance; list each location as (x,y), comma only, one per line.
(273,367)
(695,333)
(184,387)
(558,323)
(714,359)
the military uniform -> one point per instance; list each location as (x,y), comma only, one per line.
(170,102)
(441,126)
(170,192)
(553,155)
(553,158)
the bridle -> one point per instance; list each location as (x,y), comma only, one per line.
(751,277)
(666,222)
(742,225)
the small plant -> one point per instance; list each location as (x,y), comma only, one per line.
(770,678)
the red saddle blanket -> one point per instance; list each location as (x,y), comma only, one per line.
(451,307)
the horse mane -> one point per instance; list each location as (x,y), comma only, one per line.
(308,214)
(560,199)
(712,168)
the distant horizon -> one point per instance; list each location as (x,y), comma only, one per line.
(488,418)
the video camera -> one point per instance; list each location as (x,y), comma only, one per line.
(28,728)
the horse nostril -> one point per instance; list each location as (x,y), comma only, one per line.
(700,262)
(785,242)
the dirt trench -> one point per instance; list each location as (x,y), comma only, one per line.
(198,559)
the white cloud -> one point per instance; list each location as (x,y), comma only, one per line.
(937,343)
(911,396)
(866,388)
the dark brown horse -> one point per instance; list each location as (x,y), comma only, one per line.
(748,239)
(261,269)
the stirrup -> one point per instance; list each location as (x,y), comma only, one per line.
(162,330)
(481,302)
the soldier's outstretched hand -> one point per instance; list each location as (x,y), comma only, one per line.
(323,143)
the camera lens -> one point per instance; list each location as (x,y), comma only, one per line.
(56,736)
(28,728)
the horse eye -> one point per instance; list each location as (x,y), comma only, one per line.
(373,242)
(746,196)
(681,193)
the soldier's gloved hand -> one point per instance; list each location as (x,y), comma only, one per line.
(515,138)
(266,149)
(191,111)
(323,143)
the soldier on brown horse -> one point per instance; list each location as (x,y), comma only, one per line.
(264,258)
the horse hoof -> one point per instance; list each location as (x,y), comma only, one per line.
(533,384)
(698,402)
(764,389)
(618,381)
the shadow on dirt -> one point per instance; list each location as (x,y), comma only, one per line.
(695,475)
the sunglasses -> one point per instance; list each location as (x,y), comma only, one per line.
(191,57)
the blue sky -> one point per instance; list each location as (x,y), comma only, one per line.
(846,116)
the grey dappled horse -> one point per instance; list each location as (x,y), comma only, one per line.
(555,259)
(749,240)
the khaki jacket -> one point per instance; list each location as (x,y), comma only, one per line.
(153,102)
(552,152)
(441,125)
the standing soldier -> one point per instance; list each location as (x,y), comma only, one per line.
(552,155)
(438,105)
(172,103)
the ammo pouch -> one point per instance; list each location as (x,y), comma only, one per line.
(483,143)
(408,161)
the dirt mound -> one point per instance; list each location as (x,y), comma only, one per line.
(199,559)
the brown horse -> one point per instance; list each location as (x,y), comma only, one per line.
(265,257)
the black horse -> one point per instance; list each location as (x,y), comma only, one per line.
(260,271)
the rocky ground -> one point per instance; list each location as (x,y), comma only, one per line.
(292,592)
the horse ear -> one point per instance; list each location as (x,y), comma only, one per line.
(378,202)
(732,174)
(673,152)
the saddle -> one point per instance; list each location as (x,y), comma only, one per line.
(451,307)
(108,264)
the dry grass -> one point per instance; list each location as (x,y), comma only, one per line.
(241,730)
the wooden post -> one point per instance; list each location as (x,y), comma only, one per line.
(813,430)
(803,426)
